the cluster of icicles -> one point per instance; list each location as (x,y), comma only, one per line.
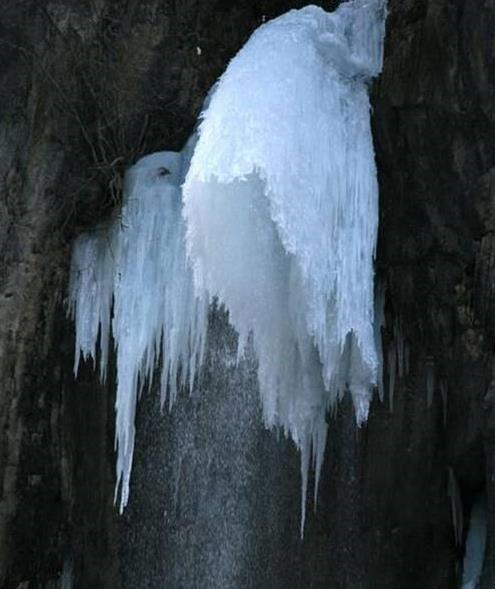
(272,209)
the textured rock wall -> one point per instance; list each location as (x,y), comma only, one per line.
(434,127)
(89,87)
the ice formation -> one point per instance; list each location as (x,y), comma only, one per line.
(281,206)
(402,349)
(444,395)
(66,580)
(137,267)
(392,367)
(454,494)
(281,209)
(430,381)
(379,324)
(475,544)
(397,360)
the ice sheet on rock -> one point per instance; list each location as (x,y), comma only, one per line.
(91,290)
(443,394)
(281,204)
(139,263)
(400,344)
(392,372)
(397,360)
(475,544)
(430,381)
(454,494)
(379,324)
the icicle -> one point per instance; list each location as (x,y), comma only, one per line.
(430,381)
(392,368)
(378,325)
(443,394)
(475,544)
(397,360)
(66,579)
(407,356)
(400,345)
(454,494)
(281,204)
(140,264)
(305,459)
(90,293)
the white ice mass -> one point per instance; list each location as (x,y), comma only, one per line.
(281,208)
(475,545)
(279,221)
(139,263)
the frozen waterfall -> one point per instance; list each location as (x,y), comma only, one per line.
(139,263)
(279,223)
(475,544)
(281,208)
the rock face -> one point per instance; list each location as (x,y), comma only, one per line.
(433,122)
(89,87)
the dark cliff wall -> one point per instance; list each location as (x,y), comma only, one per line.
(89,87)
(434,125)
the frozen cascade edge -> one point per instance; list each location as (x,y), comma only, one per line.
(300,173)
(281,209)
(126,267)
